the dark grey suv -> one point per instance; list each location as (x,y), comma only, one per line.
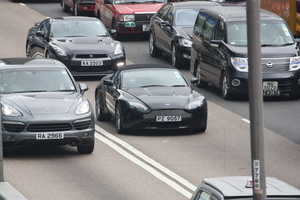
(219,52)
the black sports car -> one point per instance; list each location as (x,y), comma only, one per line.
(83,44)
(149,96)
(41,104)
(171,30)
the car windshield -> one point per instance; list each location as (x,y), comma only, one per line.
(78,29)
(272,33)
(118,2)
(35,80)
(152,78)
(186,17)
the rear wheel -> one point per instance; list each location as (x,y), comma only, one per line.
(200,83)
(153,50)
(88,149)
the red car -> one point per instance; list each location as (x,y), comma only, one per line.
(127,16)
(80,7)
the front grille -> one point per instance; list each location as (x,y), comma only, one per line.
(82,125)
(155,113)
(17,128)
(143,17)
(49,127)
(91,56)
(279,65)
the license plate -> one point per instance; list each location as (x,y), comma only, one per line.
(49,136)
(146,27)
(168,118)
(270,88)
(92,63)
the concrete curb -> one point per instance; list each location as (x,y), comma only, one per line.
(8,192)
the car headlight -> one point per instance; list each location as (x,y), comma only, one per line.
(126,18)
(196,104)
(82,108)
(58,50)
(294,63)
(185,42)
(138,107)
(10,111)
(118,49)
(240,64)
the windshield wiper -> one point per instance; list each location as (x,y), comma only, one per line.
(153,86)
(66,90)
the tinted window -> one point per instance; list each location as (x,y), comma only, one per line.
(200,20)
(220,31)
(186,17)
(209,27)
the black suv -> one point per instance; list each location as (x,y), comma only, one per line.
(219,52)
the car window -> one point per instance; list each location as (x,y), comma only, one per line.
(44,26)
(165,13)
(203,196)
(275,33)
(116,78)
(220,31)
(199,23)
(78,28)
(237,33)
(208,27)
(186,17)
(146,77)
(33,79)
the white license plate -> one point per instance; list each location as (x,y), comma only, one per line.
(168,118)
(270,88)
(146,27)
(92,63)
(49,136)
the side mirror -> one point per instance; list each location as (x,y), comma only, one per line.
(40,33)
(112,31)
(108,82)
(83,88)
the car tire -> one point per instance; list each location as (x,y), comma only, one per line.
(86,149)
(224,87)
(47,54)
(28,50)
(100,115)
(116,36)
(76,12)
(119,120)
(153,50)
(64,7)
(200,83)
(175,61)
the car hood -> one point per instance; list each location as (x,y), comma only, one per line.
(185,31)
(136,8)
(162,97)
(269,51)
(39,104)
(84,44)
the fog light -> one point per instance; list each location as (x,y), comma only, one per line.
(86,134)
(120,64)
(235,82)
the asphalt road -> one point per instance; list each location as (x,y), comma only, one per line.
(147,165)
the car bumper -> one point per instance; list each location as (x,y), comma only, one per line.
(288,82)
(148,121)
(75,132)
(109,66)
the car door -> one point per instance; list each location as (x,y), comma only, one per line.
(111,93)
(39,42)
(208,58)
(107,12)
(162,27)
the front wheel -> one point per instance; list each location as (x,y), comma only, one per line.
(88,149)
(100,114)
(175,61)
(119,120)
(28,50)
(224,87)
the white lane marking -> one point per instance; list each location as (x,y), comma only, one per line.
(148,160)
(246,120)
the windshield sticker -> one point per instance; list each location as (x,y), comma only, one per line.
(130,24)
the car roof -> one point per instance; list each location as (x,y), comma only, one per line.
(17,62)
(238,13)
(75,18)
(145,66)
(187,4)
(235,186)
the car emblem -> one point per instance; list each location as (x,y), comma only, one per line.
(269,64)
(48,109)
